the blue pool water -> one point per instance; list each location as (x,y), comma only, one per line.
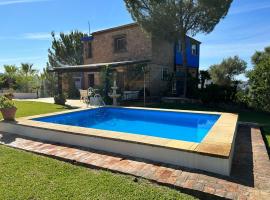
(190,127)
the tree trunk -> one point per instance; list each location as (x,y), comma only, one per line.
(184,58)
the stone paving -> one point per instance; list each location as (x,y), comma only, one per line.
(249,177)
(70,102)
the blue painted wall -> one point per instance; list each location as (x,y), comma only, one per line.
(193,60)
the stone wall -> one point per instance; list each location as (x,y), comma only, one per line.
(138,46)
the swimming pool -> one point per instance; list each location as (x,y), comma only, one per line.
(193,139)
(191,127)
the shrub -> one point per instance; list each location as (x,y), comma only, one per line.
(6,103)
(218,94)
(192,87)
(73,92)
(242,98)
(259,81)
(60,99)
(9,95)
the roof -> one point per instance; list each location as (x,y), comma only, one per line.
(116,28)
(96,66)
(131,25)
(194,39)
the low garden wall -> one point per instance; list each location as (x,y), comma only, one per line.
(21,95)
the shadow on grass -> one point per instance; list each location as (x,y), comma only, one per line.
(67,107)
(9,138)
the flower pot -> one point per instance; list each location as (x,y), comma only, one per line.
(8,113)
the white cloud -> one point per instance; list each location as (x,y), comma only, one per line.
(249,8)
(34,36)
(20,59)
(28,36)
(10,2)
(37,36)
(231,49)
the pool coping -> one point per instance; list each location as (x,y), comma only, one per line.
(217,143)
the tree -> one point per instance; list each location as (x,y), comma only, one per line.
(204,76)
(27,78)
(48,82)
(106,83)
(66,50)
(224,73)
(173,19)
(259,80)
(10,75)
(259,56)
(27,69)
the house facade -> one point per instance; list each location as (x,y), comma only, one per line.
(128,46)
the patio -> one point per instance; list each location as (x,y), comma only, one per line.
(70,102)
(249,178)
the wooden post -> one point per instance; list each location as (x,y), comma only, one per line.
(144,86)
(59,83)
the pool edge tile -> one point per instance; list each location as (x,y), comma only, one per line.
(216,137)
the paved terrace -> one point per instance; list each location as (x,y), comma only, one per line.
(249,178)
(70,102)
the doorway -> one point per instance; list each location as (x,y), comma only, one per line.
(78,82)
(91,80)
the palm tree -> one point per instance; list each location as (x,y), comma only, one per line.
(10,70)
(26,69)
(10,74)
(28,77)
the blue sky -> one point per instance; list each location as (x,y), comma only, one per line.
(26,26)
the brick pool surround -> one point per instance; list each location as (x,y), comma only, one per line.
(216,147)
(249,178)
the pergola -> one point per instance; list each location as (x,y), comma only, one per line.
(91,68)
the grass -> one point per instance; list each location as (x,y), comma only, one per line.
(28,108)
(29,176)
(245,115)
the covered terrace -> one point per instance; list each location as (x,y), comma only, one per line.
(121,68)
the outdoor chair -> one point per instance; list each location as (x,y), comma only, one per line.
(83,95)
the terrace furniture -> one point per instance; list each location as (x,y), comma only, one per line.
(130,95)
(92,98)
(83,95)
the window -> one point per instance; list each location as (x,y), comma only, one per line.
(78,82)
(89,50)
(194,49)
(174,87)
(91,80)
(120,44)
(179,47)
(164,74)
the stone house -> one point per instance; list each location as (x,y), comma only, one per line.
(127,47)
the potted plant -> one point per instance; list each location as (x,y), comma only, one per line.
(60,99)
(7,108)
(9,95)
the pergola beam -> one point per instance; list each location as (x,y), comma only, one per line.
(95,67)
(90,68)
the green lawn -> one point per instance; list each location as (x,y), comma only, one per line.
(245,115)
(28,108)
(28,176)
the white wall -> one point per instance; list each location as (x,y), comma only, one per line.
(23,95)
(148,152)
